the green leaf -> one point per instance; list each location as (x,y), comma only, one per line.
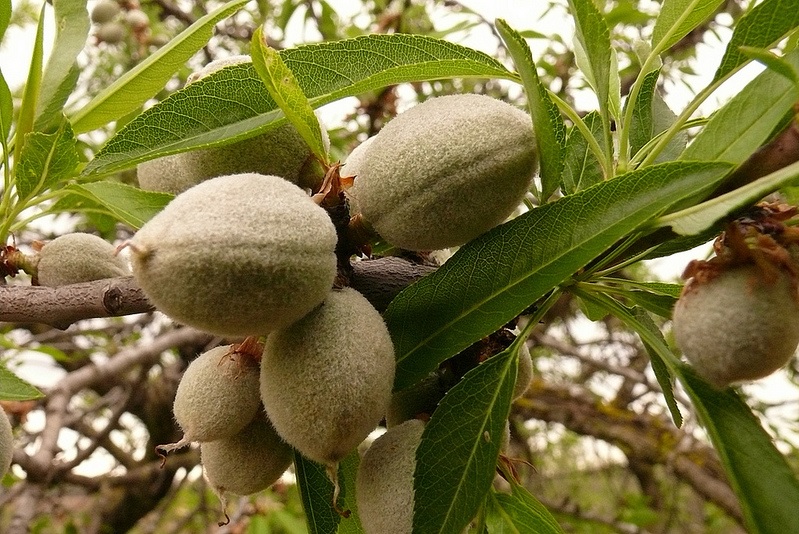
(761,27)
(286,92)
(677,18)
(316,492)
(456,460)
(128,204)
(6,109)
(702,216)
(764,482)
(658,304)
(519,513)
(5,16)
(736,130)
(139,84)
(46,160)
(593,37)
(348,472)
(522,260)
(192,117)
(13,388)
(61,73)
(772,61)
(582,169)
(30,94)
(659,353)
(550,132)
(642,127)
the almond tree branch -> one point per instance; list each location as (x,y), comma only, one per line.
(641,436)
(379,280)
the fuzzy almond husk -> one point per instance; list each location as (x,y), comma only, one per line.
(247,462)
(384,484)
(6,443)
(78,257)
(238,255)
(738,326)
(445,171)
(326,380)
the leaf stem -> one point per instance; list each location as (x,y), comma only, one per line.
(578,122)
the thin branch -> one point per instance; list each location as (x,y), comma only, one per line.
(379,280)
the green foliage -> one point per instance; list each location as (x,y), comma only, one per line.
(612,181)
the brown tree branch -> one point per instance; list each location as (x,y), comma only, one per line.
(379,280)
(641,436)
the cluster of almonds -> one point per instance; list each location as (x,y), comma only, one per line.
(115,19)
(243,251)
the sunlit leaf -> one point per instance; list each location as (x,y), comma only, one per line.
(519,512)
(46,160)
(233,104)
(677,18)
(14,388)
(761,27)
(128,204)
(286,92)
(61,73)
(550,132)
(736,130)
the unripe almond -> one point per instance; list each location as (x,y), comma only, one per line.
(217,396)
(384,484)
(445,171)
(111,32)
(137,19)
(247,462)
(281,152)
(78,257)
(237,255)
(326,380)
(6,443)
(738,325)
(105,11)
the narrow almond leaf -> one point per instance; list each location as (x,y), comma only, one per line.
(46,159)
(13,388)
(582,169)
(61,73)
(348,472)
(325,72)
(30,94)
(519,512)
(641,323)
(772,61)
(139,84)
(128,204)
(286,92)
(764,482)
(456,460)
(316,492)
(642,126)
(593,36)
(736,130)
(677,18)
(492,279)
(6,109)
(550,132)
(761,27)
(700,217)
